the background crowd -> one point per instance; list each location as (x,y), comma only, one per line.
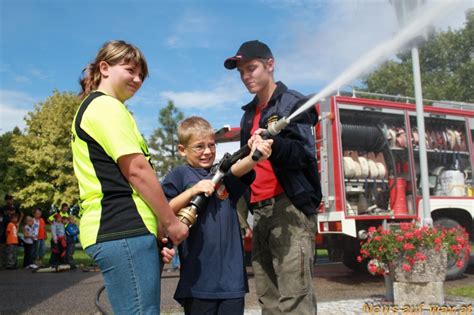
(29,232)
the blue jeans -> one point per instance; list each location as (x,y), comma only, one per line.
(38,249)
(130,268)
(175,263)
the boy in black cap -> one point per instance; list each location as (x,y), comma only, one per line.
(286,191)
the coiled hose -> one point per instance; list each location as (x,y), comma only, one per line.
(97,300)
(369,138)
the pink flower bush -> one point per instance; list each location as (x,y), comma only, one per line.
(409,239)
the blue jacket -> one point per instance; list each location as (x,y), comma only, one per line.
(293,155)
(72,232)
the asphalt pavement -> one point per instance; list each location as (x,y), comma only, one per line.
(338,290)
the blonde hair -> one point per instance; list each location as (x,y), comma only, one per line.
(113,52)
(193,125)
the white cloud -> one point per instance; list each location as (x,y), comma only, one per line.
(189,31)
(324,48)
(345,32)
(227,91)
(28,76)
(37,73)
(21,79)
(314,45)
(13,108)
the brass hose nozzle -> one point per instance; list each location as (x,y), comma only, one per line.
(188,215)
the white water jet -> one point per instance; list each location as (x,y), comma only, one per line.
(407,34)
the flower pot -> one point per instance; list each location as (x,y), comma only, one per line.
(388,287)
(432,269)
(423,283)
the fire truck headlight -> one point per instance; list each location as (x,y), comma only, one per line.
(362,234)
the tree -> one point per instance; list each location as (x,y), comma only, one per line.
(11,173)
(164,140)
(44,153)
(447,67)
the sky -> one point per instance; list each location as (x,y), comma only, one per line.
(45,44)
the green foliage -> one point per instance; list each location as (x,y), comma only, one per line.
(44,153)
(11,173)
(164,140)
(446,63)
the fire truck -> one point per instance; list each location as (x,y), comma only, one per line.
(368,160)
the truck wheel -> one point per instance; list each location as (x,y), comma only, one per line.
(452,271)
(350,261)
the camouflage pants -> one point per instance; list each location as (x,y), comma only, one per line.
(12,256)
(3,256)
(282,258)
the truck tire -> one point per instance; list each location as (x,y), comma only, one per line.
(452,271)
(349,259)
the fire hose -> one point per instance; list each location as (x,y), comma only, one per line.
(189,214)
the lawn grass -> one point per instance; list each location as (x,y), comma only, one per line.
(322,252)
(80,256)
(467,291)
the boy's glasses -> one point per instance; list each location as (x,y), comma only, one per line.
(200,148)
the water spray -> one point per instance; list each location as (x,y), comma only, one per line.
(405,36)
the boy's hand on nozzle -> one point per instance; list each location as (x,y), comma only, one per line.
(205,186)
(167,253)
(177,231)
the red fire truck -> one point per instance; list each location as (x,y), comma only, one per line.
(368,156)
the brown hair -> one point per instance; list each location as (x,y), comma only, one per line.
(113,52)
(193,125)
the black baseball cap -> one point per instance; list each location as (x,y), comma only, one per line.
(248,50)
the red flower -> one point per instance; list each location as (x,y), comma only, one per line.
(410,260)
(372,268)
(408,242)
(408,246)
(420,256)
(459,263)
(404,226)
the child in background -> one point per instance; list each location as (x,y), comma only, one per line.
(39,227)
(12,241)
(28,238)
(72,232)
(212,274)
(58,241)
(64,212)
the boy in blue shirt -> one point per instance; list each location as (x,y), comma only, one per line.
(72,234)
(213,278)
